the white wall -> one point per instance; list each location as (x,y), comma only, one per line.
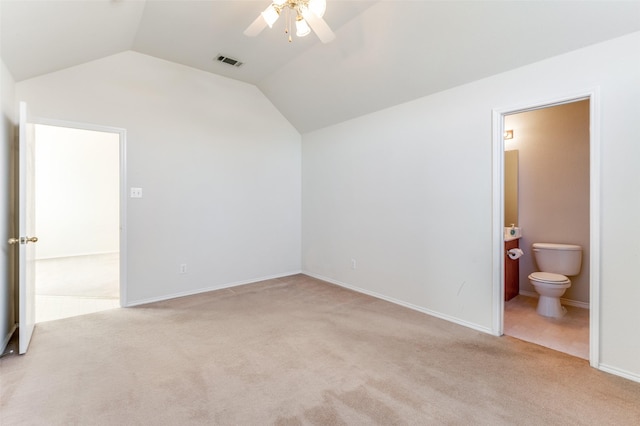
(407,192)
(7,124)
(218,164)
(77,191)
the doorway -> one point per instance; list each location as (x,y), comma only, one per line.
(551,182)
(549,225)
(78,184)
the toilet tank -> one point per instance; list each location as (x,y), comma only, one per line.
(565,259)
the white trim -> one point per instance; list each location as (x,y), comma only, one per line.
(122,134)
(497,224)
(593,94)
(75,125)
(208,289)
(123,218)
(569,302)
(619,372)
(594,228)
(401,303)
(96,253)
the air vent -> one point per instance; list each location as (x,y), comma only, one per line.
(228,60)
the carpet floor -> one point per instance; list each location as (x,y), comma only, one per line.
(297,351)
(92,276)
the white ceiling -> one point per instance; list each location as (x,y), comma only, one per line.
(386,52)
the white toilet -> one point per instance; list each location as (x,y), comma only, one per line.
(555,262)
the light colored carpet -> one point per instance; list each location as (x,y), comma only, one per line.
(79,276)
(296,351)
(51,308)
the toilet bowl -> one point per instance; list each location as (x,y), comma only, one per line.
(550,287)
(555,261)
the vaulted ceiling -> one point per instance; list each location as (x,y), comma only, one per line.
(385,52)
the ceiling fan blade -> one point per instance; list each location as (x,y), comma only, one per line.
(319,26)
(256,27)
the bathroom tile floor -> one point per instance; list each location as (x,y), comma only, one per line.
(569,334)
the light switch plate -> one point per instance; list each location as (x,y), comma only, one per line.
(136,192)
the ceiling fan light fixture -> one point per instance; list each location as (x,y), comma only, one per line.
(302,28)
(307,14)
(270,15)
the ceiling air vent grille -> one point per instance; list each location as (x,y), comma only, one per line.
(230,61)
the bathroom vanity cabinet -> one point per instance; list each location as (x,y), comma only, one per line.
(511,271)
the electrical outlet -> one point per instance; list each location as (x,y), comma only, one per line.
(183,268)
(353,264)
(136,193)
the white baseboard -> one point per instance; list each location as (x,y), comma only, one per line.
(602,367)
(69,255)
(401,303)
(207,289)
(618,372)
(5,342)
(577,304)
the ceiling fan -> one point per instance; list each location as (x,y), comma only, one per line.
(307,13)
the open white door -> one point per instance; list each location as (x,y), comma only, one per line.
(26,230)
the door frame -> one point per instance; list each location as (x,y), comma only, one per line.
(122,134)
(498,114)
(26,228)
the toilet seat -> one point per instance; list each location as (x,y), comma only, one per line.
(549,278)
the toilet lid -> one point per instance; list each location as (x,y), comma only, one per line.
(549,277)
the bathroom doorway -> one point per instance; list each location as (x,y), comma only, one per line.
(557,190)
(78,214)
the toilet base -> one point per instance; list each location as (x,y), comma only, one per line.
(550,307)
